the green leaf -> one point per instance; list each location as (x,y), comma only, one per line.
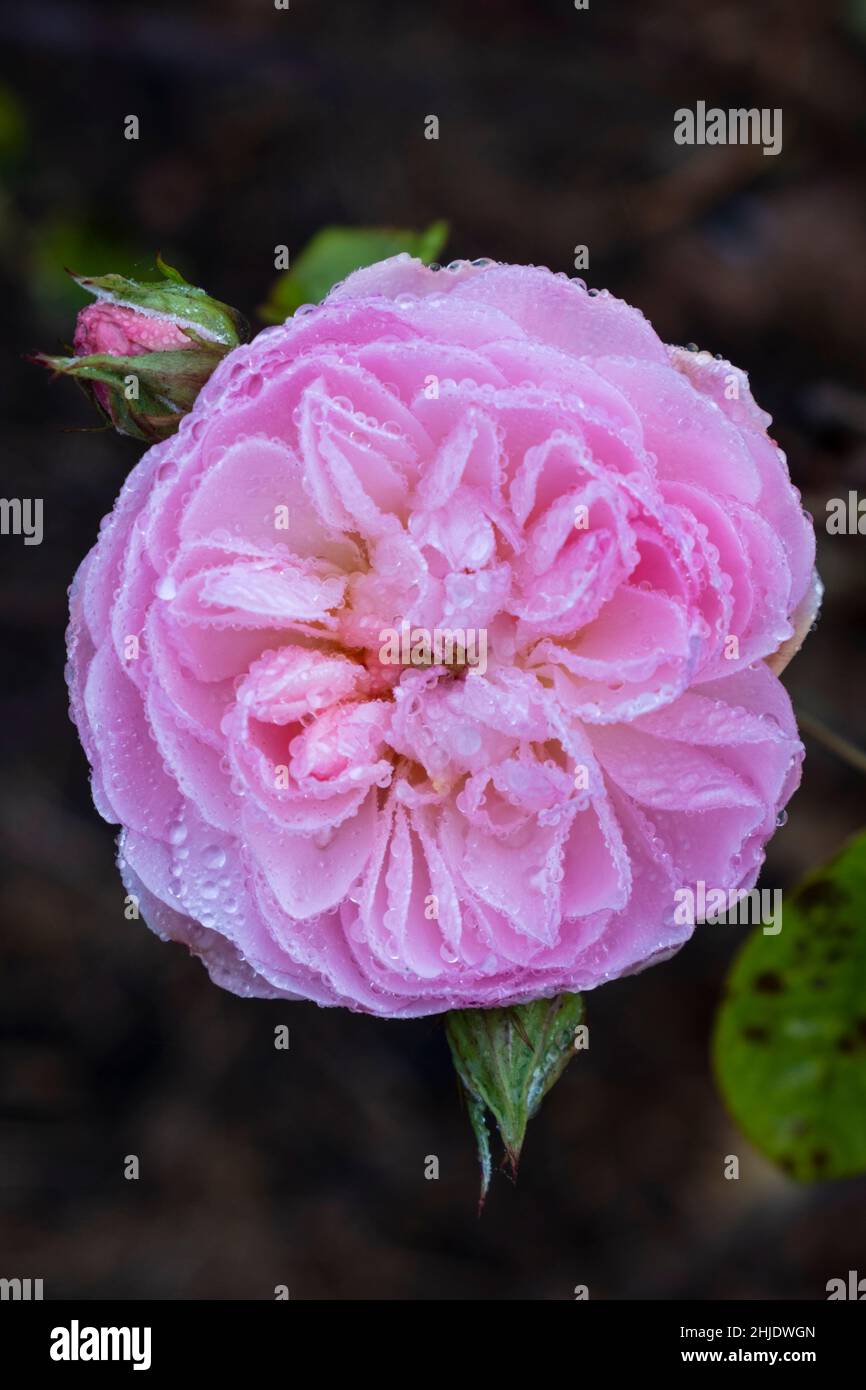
(790,1038)
(507,1060)
(335,252)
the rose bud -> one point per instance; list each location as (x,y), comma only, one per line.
(145,349)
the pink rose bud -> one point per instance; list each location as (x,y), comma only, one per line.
(145,349)
(121,332)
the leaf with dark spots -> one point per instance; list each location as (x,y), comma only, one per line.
(790,1043)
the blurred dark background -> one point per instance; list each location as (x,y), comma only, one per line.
(259,126)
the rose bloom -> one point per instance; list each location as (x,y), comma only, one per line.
(487,447)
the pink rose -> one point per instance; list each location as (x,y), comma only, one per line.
(428,660)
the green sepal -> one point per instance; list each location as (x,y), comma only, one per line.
(172,298)
(168,384)
(507,1060)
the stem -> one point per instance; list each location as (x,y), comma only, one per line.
(850,754)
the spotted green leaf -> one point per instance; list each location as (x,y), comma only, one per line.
(790,1038)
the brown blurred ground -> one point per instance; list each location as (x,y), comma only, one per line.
(258,127)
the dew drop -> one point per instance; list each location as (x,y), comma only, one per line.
(165,588)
